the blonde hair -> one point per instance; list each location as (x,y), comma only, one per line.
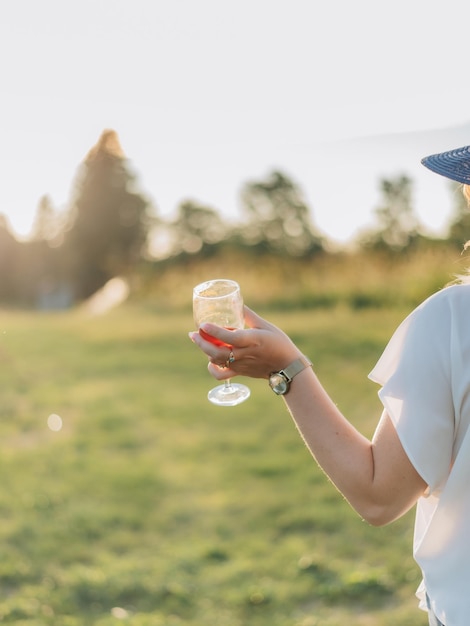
(465,278)
(466,193)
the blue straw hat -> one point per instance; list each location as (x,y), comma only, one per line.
(454,164)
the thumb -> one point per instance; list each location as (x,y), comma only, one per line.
(253,320)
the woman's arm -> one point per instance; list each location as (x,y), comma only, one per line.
(376,477)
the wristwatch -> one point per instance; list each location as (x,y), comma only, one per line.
(280,381)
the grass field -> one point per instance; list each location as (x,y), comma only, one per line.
(140,503)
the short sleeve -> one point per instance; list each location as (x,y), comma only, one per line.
(415,374)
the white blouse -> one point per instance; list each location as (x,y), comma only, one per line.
(425,377)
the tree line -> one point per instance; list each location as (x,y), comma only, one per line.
(110,228)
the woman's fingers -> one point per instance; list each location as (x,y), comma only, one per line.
(229,337)
(218,372)
(220,355)
(209,332)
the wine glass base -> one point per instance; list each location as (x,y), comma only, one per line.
(229,395)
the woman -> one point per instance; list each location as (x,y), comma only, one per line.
(420,452)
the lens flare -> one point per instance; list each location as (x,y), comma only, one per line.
(54,422)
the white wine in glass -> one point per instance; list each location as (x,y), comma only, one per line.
(220,302)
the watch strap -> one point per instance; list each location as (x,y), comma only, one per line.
(295,368)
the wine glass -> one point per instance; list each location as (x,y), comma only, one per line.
(220,302)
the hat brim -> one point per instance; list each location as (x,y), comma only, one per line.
(453,164)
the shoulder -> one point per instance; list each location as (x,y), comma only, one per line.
(455,297)
(441,318)
(426,335)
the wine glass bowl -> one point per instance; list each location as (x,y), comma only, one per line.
(220,302)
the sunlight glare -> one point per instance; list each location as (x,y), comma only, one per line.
(114,292)
(54,422)
(119,613)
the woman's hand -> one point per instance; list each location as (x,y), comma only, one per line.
(258,350)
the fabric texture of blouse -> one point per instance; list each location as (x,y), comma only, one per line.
(424,375)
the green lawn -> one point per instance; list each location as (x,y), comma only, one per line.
(151,507)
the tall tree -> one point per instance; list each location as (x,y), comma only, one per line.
(279,217)
(46,225)
(108,218)
(398,226)
(9,257)
(196,227)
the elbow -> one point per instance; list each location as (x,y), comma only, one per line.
(381,507)
(379,514)
(378,520)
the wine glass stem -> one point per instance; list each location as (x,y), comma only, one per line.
(227,384)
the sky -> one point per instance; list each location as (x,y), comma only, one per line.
(207,95)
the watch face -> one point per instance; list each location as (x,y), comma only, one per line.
(278,384)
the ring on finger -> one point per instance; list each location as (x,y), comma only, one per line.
(230,359)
